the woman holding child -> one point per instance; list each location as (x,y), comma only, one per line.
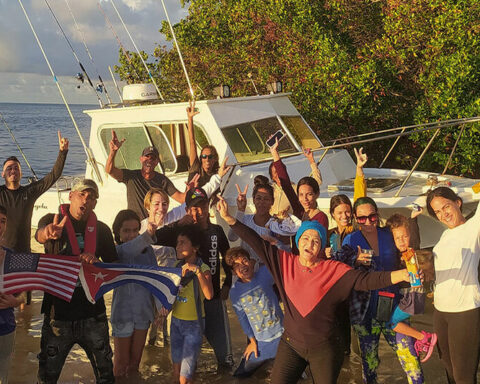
(312,289)
(457,291)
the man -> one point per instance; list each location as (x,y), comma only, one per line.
(19,200)
(140,181)
(76,231)
(214,244)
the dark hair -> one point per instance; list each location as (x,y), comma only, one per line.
(214,153)
(397,221)
(444,192)
(122,216)
(337,200)
(262,182)
(310,181)
(11,158)
(3,210)
(234,253)
(362,201)
(192,232)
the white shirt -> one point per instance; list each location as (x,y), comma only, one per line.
(456,258)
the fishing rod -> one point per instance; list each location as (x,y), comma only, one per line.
(139,54)
(75,55)
(124,51)
(18,146)
(179,52)
(88,151)
(88,53)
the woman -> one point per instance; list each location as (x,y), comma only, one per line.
(281,207)
(456,317)
(311,289)
(363,306)
(208,164)
(305,204)
(341,206)
(132,304)
(262,222)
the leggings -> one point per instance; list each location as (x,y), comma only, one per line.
(325,362)
(458,344)
(369,336)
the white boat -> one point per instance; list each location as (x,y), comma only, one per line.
(238,128)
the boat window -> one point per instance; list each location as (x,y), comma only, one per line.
(301,132)
(137,138)
(247,140)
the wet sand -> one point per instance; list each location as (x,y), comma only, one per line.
(156,365)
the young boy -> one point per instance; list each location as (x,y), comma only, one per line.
(257,308)
(413,299)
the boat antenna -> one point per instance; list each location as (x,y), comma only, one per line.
(116,85)
(18,146)
(139,54)
(75,55)
(124,51)
(88,53)
(88,151)
(179,52)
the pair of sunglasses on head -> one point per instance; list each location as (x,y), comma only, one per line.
(373,218)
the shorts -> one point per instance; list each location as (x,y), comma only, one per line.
(185,343)
(398,316)
(126,329)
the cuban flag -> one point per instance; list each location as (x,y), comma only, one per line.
(99,278)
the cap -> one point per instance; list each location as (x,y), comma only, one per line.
(149,151)
(84,184)
(195,197)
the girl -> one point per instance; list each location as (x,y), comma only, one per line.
(186,330)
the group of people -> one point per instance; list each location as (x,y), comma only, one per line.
(297,286)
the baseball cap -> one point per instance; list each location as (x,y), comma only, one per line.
(195,197)
(84,184)
(150,151)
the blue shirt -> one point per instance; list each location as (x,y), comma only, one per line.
(257,306)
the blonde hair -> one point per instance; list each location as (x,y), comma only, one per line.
(148,197)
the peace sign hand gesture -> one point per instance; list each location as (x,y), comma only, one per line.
(191,109)
(62,142)
(115,144)
(224,168)
(53,231)
(361,157)
(241,198)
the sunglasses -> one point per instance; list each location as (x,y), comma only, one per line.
(373,218)
(209,157)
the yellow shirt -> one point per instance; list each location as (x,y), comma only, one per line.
(184,307)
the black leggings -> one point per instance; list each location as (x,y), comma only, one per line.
(325,363)
(459,344)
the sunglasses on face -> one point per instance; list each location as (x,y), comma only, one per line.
(373,218)
(209,157)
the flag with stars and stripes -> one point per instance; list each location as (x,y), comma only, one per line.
(55,274)
(99,278)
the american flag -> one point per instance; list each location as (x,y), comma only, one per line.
(55,274)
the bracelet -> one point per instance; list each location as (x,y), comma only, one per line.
(197,270)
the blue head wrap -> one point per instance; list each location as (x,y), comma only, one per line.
(312,225)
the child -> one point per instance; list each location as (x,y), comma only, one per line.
(188,313)
(413,298)
(132,304)
(7,318)
(257,308)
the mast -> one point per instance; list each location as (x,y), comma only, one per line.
(139,54)
(88,151)
(88,52)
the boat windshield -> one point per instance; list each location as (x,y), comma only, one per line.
(247,140)
(301,132)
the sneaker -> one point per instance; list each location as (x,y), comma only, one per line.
(426,345)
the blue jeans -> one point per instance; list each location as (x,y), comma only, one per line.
(58,338)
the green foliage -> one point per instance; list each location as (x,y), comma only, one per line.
(352,66)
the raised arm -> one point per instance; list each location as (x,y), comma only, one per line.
(313,165)
(367,281)
(110,168)
(360,185)
(191,133)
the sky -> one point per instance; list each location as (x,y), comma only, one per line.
(24,74)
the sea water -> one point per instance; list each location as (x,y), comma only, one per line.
(35,127)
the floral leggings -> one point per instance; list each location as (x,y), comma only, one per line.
(369,336)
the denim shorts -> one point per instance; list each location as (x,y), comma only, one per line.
(126,329)
(185,343)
